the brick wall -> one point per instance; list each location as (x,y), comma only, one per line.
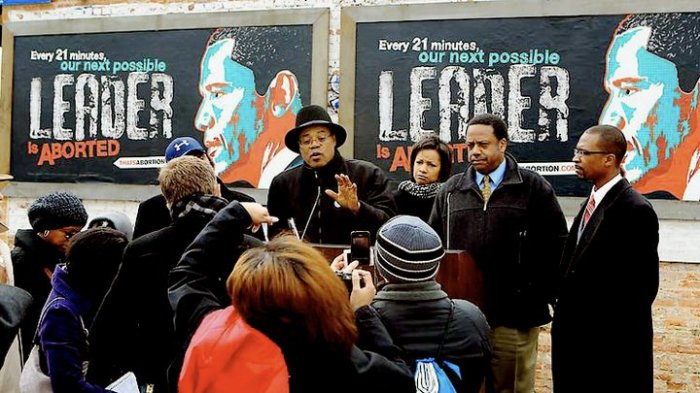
(677,308)
(677,329)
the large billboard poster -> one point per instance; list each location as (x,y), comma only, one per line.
(550,78)
(103,107)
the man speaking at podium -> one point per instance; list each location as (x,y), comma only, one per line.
(327,197)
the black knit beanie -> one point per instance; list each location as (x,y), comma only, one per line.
(57,210)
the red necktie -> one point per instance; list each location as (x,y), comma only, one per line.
(590,206)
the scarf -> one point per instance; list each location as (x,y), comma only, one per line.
(205,205)
(421,191)
(419,291)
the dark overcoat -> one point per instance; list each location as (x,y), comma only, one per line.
(602,330)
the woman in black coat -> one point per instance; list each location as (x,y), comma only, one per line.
(54,218)
(431,165)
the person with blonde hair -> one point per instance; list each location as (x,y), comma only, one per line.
(135,317)
(287,291)
(153,213)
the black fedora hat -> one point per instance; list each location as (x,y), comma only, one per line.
(312,115)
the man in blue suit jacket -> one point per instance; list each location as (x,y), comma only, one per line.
(602,331)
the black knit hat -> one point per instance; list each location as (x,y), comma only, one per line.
(312,115)
(57,210)
(407,250)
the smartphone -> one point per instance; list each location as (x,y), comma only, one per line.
(359,247)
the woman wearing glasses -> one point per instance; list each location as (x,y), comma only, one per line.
(54,218)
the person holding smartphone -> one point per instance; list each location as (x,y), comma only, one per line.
(421,319)
(285,290)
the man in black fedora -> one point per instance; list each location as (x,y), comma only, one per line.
(328,197)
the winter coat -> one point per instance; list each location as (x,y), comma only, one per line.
(13,309)
(193,287)
(516,240)
(14,303)
(416,316)
(226,352)
(197,283)
(63,337)
(133,329)
(153,213)
(296,192)
(34,261)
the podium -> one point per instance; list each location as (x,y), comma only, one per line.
(458,274)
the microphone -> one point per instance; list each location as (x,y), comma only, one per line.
(313,208)
(449,194)
(293,225)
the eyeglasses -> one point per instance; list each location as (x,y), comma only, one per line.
(581,152)
(306,141)
(68,234)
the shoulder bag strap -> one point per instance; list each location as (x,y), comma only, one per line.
(444,333)
(35,340)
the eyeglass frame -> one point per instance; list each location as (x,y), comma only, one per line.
(67,235)
(320,137)
(585,153)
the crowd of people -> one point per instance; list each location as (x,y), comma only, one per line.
(196,299)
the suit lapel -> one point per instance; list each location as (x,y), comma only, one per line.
(570,247)
(594,223)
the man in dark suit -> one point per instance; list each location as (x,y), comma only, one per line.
(602,331)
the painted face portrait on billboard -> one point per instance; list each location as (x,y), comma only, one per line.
(647,102)
(243,130)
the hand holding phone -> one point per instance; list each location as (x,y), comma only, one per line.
(363,289)
(342,262)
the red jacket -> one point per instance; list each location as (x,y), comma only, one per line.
(227,355)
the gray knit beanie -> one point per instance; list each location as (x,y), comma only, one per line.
(57,210)
(114,220)
(407,250)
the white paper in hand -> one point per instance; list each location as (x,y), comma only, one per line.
(125,384)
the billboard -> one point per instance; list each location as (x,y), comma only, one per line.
(549,78)
(104,106)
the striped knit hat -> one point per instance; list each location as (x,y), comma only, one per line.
(407,250)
